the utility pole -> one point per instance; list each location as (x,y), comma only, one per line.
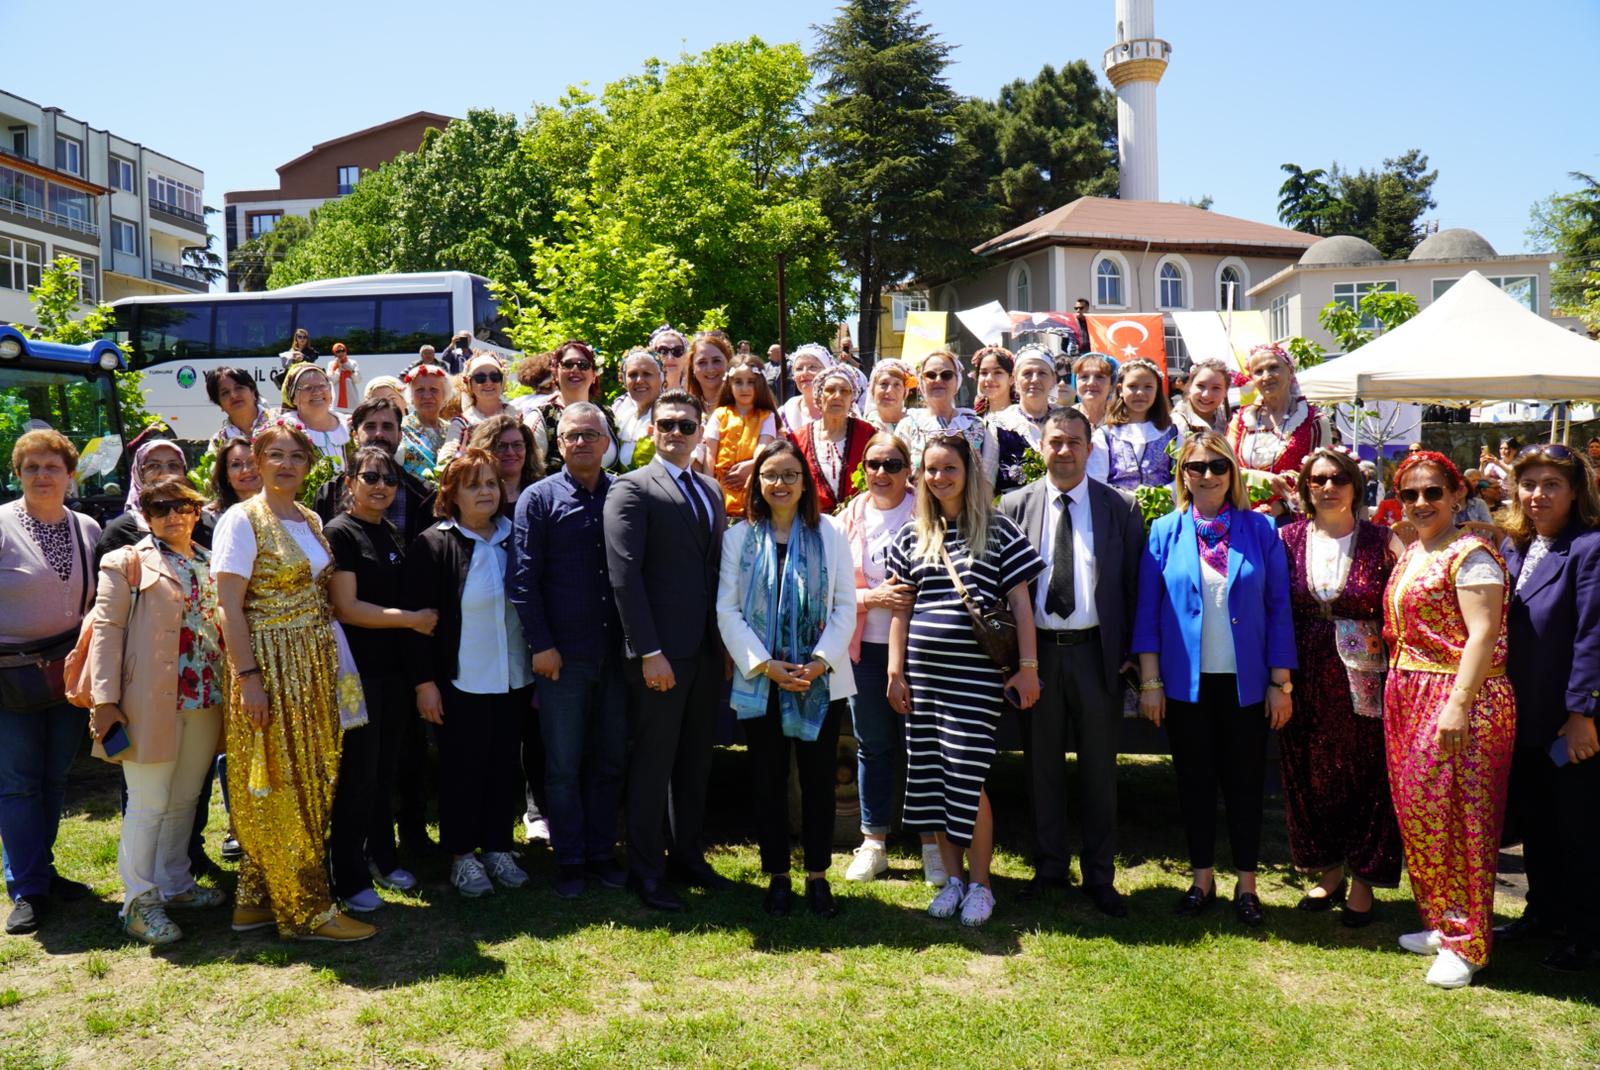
(783,335)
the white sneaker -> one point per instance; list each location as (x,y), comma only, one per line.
(396,880)
(1423,943)
(469,878)
(976,906)
(1450,970)
(948,901)
(869,862)
(535,829)
(933,865)
(504,869)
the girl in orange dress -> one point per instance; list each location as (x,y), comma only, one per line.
(744,420)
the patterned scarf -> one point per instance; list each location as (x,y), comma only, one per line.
(1212,537)
(787,611)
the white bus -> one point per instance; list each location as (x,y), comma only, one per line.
(382,320)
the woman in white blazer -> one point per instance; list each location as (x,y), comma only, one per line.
(786,607)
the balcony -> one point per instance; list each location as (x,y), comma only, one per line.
(180,215)
(85,227)
(185,275)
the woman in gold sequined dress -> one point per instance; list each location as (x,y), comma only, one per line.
(272,568)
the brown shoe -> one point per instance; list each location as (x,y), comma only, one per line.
(248,918)
(342,929)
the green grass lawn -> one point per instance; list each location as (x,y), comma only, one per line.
(526,980)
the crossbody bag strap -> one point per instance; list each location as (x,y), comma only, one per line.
(955,577)
(86,603)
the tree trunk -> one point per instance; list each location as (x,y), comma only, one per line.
(871,294)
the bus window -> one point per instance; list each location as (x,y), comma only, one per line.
(77,406)
(489,324)
(406,324)
(251,328)
(171,332)
(349,321)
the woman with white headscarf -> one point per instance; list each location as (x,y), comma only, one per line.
(1034,372)
(156,459)
(805,365)
(1273,436)
(939,378)
(834,443)
(485,396)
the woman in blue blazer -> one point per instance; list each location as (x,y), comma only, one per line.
(1215,642)
(1553,660)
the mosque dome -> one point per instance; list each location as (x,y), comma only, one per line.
(1457,243)
(1341,249)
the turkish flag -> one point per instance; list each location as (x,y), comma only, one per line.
(1138,334)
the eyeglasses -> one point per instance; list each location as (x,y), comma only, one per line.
(893,465)
(669,351)
(372,479)
(682,427)
(788,477)
(572,438)
(577,366)
(161,509)
(487,377)
(1217,466)
(1434,493)
(938,377)
(518,446)
(1555,451)
(1337,479)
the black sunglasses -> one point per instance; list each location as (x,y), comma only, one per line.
(893,465)
(577,366)
(683,427)
(157,510)
(1217,466)
(1434,493)
(939,377)
(372,479)
(1338,479)
(487,377)
(669,351)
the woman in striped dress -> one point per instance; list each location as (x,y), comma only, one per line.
(940,680)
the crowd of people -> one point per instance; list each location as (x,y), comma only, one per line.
(562,596)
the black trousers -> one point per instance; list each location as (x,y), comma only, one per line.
(411,775)
(1073,692)
(1218,743)
(1555,810)
(361,826)
(817,763)
(480,779)
(533,761)
(670,755)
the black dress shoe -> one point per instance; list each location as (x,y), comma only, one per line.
(1357,919)
(700,875)
(570,882)
(819,897)
(1195,902)
(779,900)
(1528,927)
(1574,958)
(1247,908)
(26,913)
(1318,904)
(608,873)
(68,891)
(656,895)
(1107,900)
(231,851)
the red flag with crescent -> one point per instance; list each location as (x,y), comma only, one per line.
(1137,334)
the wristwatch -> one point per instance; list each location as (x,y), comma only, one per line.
(1287,687)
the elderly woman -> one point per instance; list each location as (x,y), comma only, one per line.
(473,678)
(1335,785)
(422,429)
(709,357)
(1092,375)
(577,379)
(940,379)
(1215,643)
(308,404)
(44,560)
(642,379)
(1035,369)
(1135,444)
(834,443)
(234,391)
(1205,399)
(485,396)
(786,608)
(1450,718)
(159,458)
(156,672)
(670,346)
(1273,436)
(887,390)
(287,703)
(516,453)
(1553,659)
(805,364)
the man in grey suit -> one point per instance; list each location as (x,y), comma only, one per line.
(1091,537)
(663,530)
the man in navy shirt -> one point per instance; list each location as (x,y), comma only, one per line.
(562,592)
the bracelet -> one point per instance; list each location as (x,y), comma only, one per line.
(1151,685)
(1028,663)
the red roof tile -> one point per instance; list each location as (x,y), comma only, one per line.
(1108,223)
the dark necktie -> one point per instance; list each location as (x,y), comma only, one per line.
(695,503)
(1059,597)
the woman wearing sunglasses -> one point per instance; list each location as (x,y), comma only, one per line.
(786,608)
(1335,783)
(1553,660)
(871,522)
(368,563)
(1450,718)
(670,348)
(939,379)
(577,379)
(155,672)
(1215,642)
(484,396)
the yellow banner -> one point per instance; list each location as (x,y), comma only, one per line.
(925,333)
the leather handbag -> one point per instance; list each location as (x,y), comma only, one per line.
(994,629)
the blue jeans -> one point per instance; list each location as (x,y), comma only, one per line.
(880,740)
(583,718)
(36,750)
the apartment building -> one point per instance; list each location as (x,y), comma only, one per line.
(124,212)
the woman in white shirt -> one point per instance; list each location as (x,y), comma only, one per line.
(308,402)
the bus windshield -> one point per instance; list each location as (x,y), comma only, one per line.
(81,407)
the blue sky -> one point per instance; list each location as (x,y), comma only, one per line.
(1495,93)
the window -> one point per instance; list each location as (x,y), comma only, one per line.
(1440,286)
(1351,293)
(25,191)
(21,264)
(263,222)
(1233,279)
(69,154)
(121,174)
(900,304)
(348,177)
(1170,279)
(488,321)
(88,276)
(73,206)
(406,324)
(171,331)
(176,196)
(252,328)
(125,237)
(1525,288)
(1278,317)
(1177,352)
(1108,283)
(348,320)
(1021,289)
(19,141)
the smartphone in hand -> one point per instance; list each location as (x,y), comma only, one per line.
(116,740)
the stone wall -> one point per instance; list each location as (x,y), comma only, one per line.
(1462,443)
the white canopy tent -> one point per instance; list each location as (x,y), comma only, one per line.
(1475,344)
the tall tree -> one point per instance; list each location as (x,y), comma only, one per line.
(1305,200)
(1568,225)
(1384,206)
(204,260)
(893,177)
(252,262)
